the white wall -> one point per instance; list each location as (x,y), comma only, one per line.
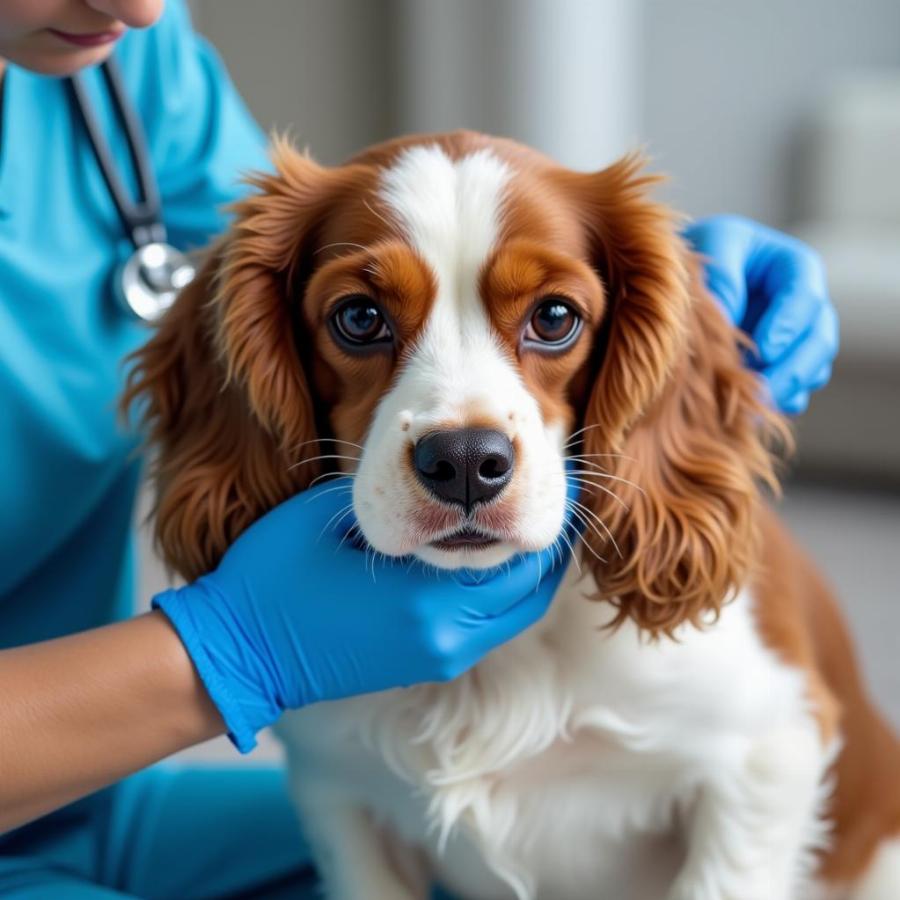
(562,75)
(321,68)
(728,86)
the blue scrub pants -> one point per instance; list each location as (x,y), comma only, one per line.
(168,832)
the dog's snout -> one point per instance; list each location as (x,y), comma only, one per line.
(465,465)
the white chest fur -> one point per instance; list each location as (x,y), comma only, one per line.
(570,758)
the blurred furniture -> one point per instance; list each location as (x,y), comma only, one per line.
(851,215)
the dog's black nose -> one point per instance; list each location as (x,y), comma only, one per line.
(464,466)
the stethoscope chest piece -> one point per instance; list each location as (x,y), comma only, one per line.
(151,279)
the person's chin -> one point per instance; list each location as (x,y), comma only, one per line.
(61,63)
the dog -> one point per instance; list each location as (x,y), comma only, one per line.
(462,318)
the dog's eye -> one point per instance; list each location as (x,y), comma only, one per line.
(358,321)
(553,324)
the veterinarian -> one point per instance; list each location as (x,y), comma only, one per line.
(90,694)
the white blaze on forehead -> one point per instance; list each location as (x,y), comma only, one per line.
(449,209)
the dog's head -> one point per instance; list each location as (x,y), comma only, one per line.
(449,319)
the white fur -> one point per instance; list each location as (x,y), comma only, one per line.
(450,212)
(573,757)
(882,881)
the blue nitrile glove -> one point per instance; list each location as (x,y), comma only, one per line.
(774,288)
(295,614)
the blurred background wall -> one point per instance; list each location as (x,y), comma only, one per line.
(787,111)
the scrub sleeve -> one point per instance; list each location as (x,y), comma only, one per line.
(168,833)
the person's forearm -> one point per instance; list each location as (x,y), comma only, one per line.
(81,712)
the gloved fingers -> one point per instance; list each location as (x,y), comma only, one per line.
(822,377)
(729,243)
(728,288)
(520,615)
(492,594)
(768,282)
(329,503)
(797,300)
(807,366)
(725,242)
(780,261)
(796,404)
(789,318)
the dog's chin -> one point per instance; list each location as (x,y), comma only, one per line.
(461,544)
(466,556)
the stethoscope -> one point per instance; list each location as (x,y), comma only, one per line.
(148,282)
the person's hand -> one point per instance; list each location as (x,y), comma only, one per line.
(773,287)
(295,614)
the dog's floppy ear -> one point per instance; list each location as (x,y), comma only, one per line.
(675,424)
(635,248)
(221,387)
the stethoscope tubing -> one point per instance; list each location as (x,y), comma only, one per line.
(148,282)
(141,218)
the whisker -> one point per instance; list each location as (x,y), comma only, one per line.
(600,487)
(590,549)
(331,456)
(575,434)
(303,462)
(555,558)
(575,460)
(339,244)
(378,215)
(540,573)
(326,440)
(370,549)
(618,478)
(331,490)
(339,514)
(574,556)
(354,527)
(600,456)
(586,522)
(603,525)
(350,475)
(608,476)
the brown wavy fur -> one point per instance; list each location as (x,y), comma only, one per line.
(695,434)
(223,391)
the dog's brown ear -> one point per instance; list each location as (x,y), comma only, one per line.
(676,427)
(636,250)
(221,388)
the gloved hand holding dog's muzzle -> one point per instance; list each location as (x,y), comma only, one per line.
(295,614)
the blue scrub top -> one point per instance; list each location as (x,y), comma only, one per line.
(68,470)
